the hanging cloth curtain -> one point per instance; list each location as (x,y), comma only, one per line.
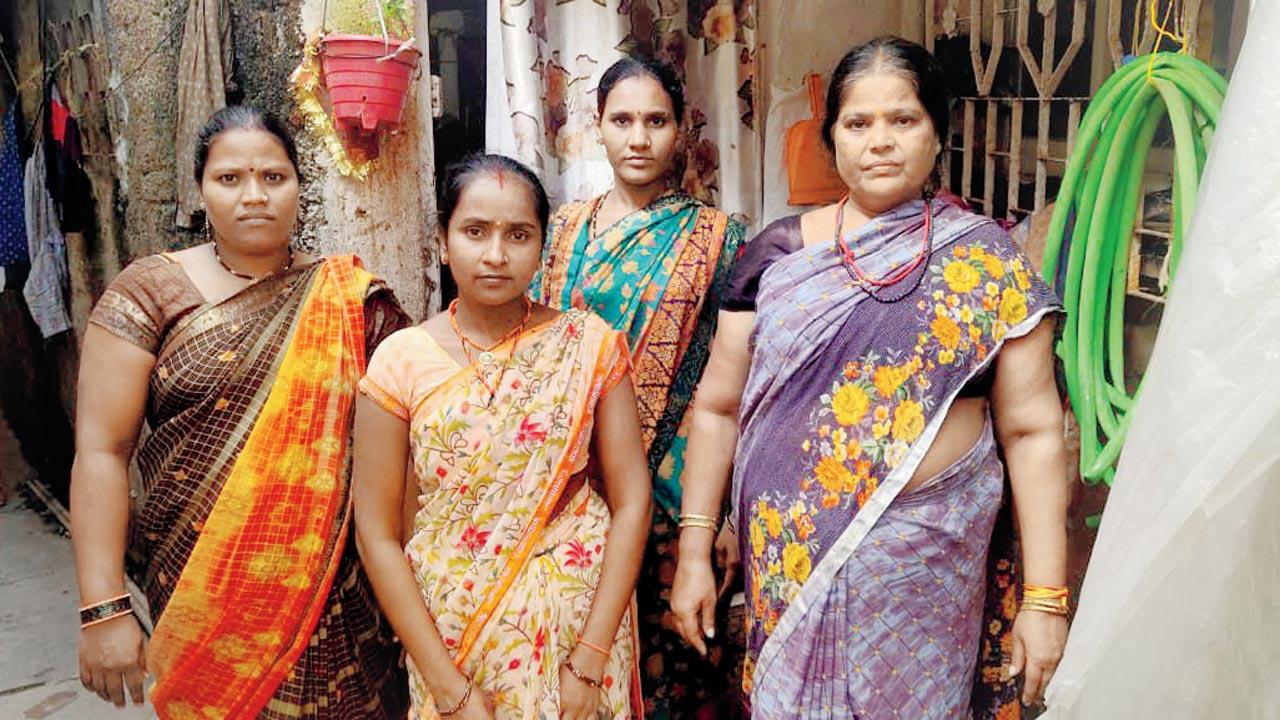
(204,65)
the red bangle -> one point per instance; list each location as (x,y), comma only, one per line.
(592,646)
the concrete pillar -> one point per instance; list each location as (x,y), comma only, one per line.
(388,218)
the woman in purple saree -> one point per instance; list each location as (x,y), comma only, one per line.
(872,357)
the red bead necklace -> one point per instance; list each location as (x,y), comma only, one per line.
(486,353)
(869,282)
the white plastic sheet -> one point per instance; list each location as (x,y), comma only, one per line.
(1180,612)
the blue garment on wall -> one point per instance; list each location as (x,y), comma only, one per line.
(13,226)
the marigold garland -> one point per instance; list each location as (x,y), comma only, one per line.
(307,92)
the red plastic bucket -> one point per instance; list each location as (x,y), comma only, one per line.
(367,79)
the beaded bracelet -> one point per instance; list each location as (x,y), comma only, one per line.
(106,610)
(581,676)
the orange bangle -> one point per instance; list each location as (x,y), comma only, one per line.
(1045,598)
(592,646)
(1044,592)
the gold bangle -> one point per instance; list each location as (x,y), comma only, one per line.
(1045,592)
(466,697)
(1060,601)
(1048,599)
(691,522)
(699,516)
(1043,607)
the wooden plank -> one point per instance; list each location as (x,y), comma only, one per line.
(930,9)
(966,169)
(989,164)
(1073,125)
(984,71)
(1015,152)
(1042,153)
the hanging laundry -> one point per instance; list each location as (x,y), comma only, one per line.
(64,160)
(204,65)
(13,229)
(58,117)
(45,289)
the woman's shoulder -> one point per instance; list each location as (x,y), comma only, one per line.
(983,231)
(778,238)
(564,220)
(157,280)
(409,340)
(582,322)
(785,231)
(150,267)
(568,212)
(145,299)
(571,209)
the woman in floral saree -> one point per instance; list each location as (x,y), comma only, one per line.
(522,536)
(243,357)
(867,348)
(654,262)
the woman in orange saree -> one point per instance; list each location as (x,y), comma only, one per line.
(522,536)
(243,357)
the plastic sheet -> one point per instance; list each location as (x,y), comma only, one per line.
(1180,611)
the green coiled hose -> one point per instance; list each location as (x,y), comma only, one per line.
(1099,195)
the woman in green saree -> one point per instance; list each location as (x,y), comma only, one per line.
(653,262)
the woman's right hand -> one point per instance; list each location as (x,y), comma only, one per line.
(728,558)
(113,656)
(693,600)
(479,705)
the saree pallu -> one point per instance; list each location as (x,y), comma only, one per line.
(864,602)
(261,607)
(658,275)
(509,537)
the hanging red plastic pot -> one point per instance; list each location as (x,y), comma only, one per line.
(367,79)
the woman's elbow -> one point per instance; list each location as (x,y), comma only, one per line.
(716,410)
(637,505)
(371,536)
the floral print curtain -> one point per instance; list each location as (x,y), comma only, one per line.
(545,61)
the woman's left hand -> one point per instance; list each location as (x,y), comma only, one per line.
(578,700)
(1038,640)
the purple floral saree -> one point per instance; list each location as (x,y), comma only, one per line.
(863,601)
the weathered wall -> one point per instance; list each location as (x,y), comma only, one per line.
(145,35)
(382,218)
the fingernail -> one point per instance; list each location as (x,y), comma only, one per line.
(711,632)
